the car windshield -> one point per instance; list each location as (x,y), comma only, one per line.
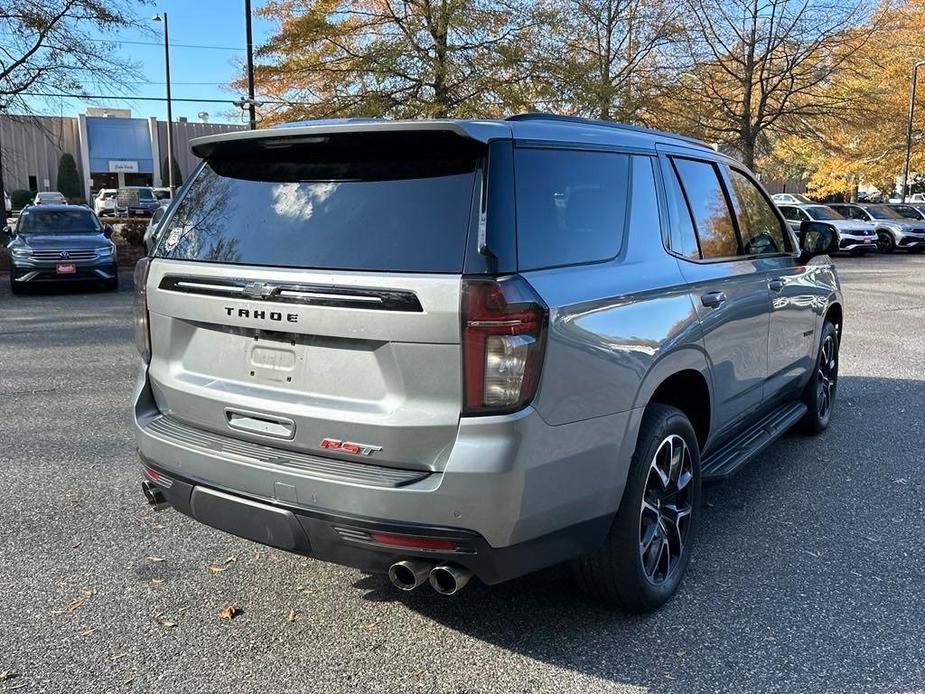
(878,212)
(145,194)
(50,196)
(820,212)
(58,222)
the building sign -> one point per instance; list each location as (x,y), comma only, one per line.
(123,166)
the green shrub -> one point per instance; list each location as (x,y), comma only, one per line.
(133,233)
(177,176)
(68,178)
(20,198)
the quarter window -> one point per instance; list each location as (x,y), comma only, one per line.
(760,227)
(682,240)
(571,206)
(709,208)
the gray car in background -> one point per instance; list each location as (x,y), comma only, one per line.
(894,231)
(445,349)
(854,236)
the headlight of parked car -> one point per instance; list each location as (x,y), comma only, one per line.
(21,252)
(104,252)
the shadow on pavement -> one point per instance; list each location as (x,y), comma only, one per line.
(808,574)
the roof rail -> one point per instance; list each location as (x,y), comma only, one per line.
(531,116)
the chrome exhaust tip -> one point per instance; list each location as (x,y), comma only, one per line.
(154,496)
(448,579)
(408,574)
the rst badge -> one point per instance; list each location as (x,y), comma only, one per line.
(350,447)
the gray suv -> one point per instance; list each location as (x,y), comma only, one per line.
(445,349)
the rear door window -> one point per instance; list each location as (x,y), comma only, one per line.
(379,208)
(709,208)
(682,240)
(571,206)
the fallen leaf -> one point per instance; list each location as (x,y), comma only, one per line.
(87,632)
(156,581)
(372,625)
(165,622)
(75,603)
(303,589)
(291,617)
(229,611)
(7,675)
(152,558)
(117,657)
(128,681)
(217,568)
(88,591)
(812,554)
(75,546)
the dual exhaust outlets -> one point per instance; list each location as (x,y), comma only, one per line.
(446,579)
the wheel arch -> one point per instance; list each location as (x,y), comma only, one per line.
(682,380)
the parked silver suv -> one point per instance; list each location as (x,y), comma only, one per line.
(439,349)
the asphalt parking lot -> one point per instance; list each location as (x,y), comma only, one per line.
(809,574)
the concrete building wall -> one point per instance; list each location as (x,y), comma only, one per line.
(32,146)
(183,132)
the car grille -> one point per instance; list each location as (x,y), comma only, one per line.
(64,255)
(860,232)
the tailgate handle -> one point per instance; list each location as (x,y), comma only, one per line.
(260,424)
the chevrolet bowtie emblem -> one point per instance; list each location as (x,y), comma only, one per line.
(258,290)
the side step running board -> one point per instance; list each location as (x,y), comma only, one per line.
(722,462)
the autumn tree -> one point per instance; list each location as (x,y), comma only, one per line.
(863,143)
(398,58)
(756,67)
(602,58)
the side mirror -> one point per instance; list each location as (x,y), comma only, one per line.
(107,230)
(817,238)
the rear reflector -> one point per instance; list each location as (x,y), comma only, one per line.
(411,541)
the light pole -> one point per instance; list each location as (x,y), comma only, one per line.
(250,65)
(915,70)
(170,182)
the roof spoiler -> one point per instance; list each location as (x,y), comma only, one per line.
(323,131)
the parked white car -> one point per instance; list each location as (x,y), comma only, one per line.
(790,199)
(49,197)
(105,201)
(164,195)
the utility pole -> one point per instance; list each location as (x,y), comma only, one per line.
(915,70)
(170,159)
(250,65)
(3,218)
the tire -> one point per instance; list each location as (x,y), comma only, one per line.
(819,395)
(617,573)
(885,242)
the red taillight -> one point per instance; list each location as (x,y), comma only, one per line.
(142,329)
(411,541)
(504,329)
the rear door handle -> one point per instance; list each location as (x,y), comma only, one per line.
(776,284)
(713,299)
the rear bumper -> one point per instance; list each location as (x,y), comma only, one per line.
(524,495)
(345,539)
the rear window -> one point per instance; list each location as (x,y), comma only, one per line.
(379,208)
(571,206)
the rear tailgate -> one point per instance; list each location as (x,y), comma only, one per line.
(307,296)
(385,378)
